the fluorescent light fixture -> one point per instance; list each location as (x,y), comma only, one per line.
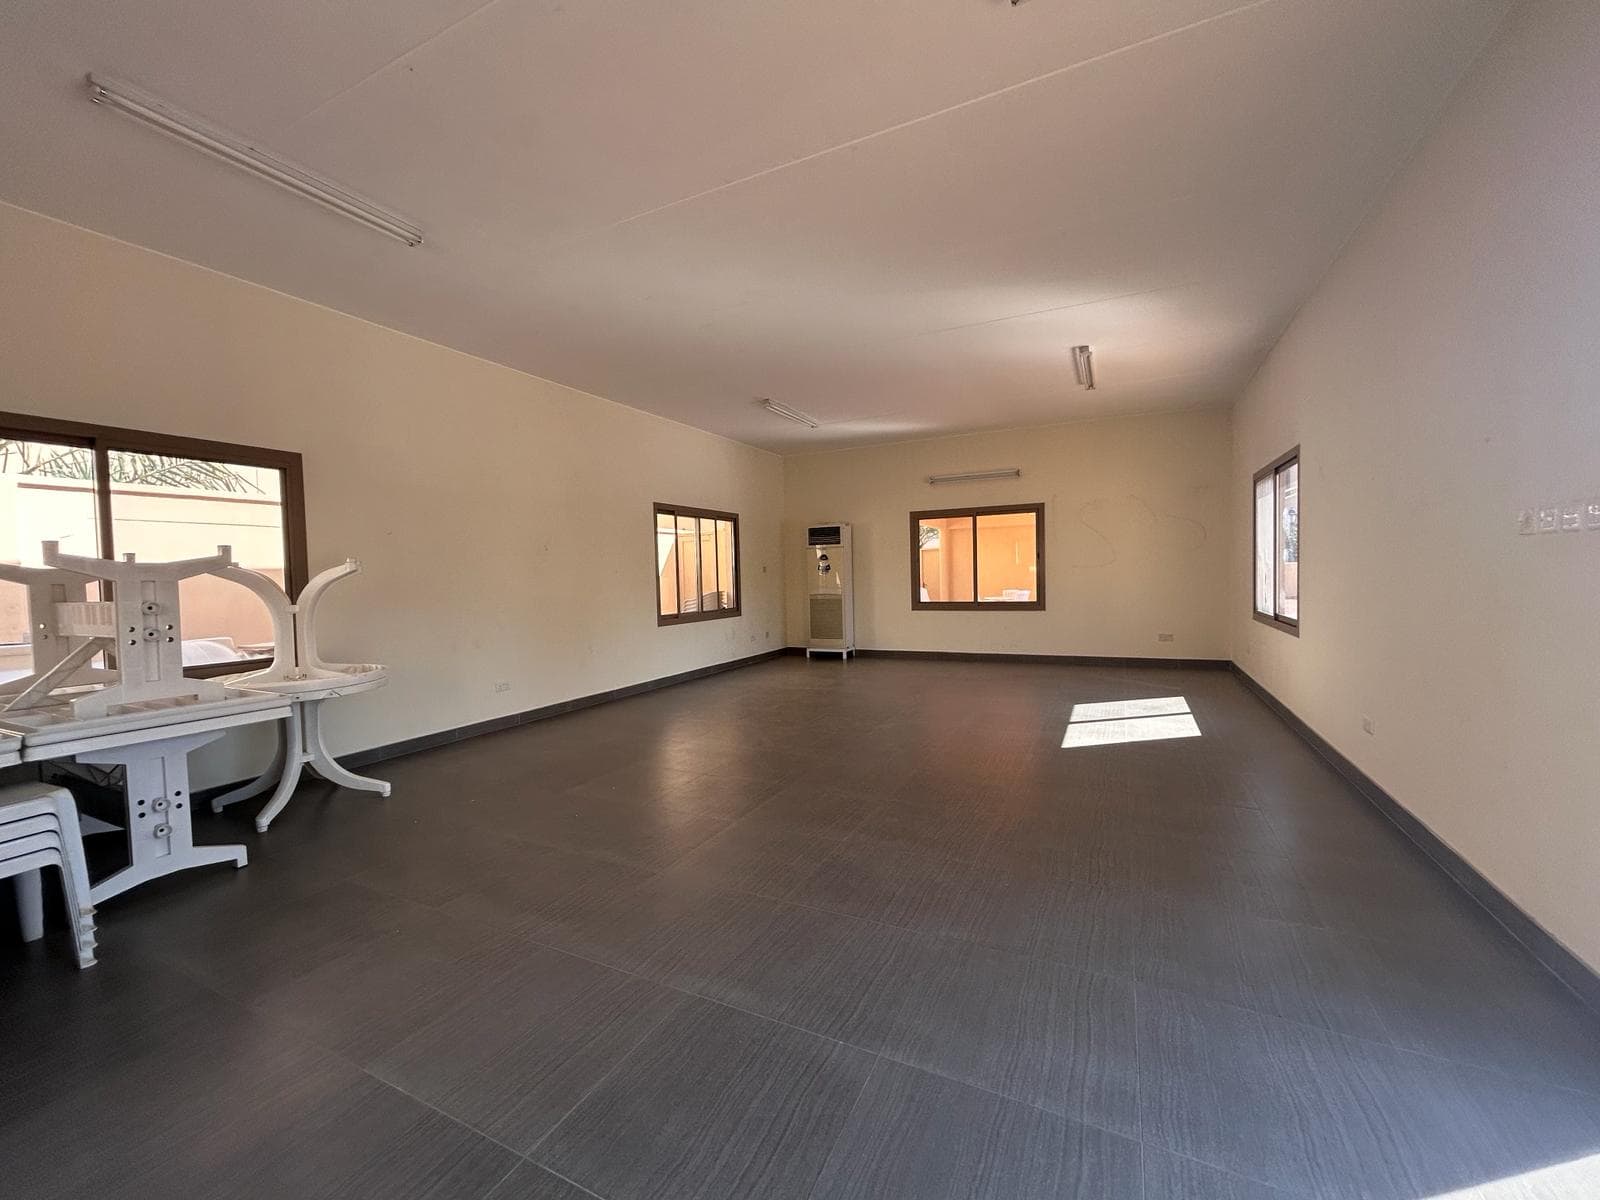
(231,149)
(973,476)
(1083,367)
(791,414)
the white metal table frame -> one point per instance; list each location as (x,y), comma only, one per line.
(155,762)
(301,745)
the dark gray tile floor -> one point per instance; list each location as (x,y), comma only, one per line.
(820,931)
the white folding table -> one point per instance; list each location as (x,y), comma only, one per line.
(152,744)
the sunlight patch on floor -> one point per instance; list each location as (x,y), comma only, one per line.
(1575,1179)
(1113,722)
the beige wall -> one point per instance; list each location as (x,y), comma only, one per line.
(504,522)
(1442,379)
(1136,535)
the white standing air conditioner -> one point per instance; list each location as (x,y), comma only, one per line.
(830,592)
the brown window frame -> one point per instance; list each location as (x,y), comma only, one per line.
(1289,625)
(684,510)
(976,605)
(101,440)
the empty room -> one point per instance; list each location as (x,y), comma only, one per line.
(922,600)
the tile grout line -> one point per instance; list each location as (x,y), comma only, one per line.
(572,1182)
(671,1009)
(1233,1174)
(877,1054)
(844,1126)
(656,871)
(1133,980)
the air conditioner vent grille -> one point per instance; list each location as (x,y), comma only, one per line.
(827,618)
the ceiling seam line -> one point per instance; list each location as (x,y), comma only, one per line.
(911,121)
(398,58)
(1039,312)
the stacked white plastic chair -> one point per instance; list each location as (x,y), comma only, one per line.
(300,674)
(38,829)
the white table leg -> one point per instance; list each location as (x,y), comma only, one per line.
(294,758)
(160,833)
(264,781)
(30,904)
(323,762)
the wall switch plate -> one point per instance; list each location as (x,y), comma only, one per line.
(1572,517)
(1549,518)
(1163,637)
(1591,514)
(1527,522)
(1369,726)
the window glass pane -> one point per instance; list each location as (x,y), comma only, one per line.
(667,562)
(1288,496)
(944,548)
(725,565)
(688,566)
(46,494)
(1265,546)
(709,600)
(1008,558)
(164,508)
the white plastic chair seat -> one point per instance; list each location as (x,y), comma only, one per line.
(22,828)
(38,829)
(34,842)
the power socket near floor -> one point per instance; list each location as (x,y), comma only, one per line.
(1369,727)
(1164,637)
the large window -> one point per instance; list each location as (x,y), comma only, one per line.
(978,558)
(104,492)
(697,564)
(1277,542)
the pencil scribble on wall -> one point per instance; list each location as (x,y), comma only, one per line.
(1110,529)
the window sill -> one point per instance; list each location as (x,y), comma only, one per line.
(690,618)
(1292,628)
(977,605)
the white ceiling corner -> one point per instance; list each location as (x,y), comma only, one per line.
(896,216)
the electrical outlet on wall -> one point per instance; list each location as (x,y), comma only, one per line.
(502,686)
(1163,637)
(1369,726)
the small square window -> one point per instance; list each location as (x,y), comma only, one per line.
(697,564)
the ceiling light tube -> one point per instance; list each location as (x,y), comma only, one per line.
(1083,367)
(792,414)
(972,476)
(236,152)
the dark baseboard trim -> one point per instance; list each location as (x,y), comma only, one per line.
(1055,660)
(1544,946)
(444,737)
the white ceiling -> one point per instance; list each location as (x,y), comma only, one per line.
(897,215)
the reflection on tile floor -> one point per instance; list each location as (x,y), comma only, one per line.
(824,930)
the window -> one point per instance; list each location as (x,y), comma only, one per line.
(1277,542)
(697,564)
(104,492)
(978,558)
